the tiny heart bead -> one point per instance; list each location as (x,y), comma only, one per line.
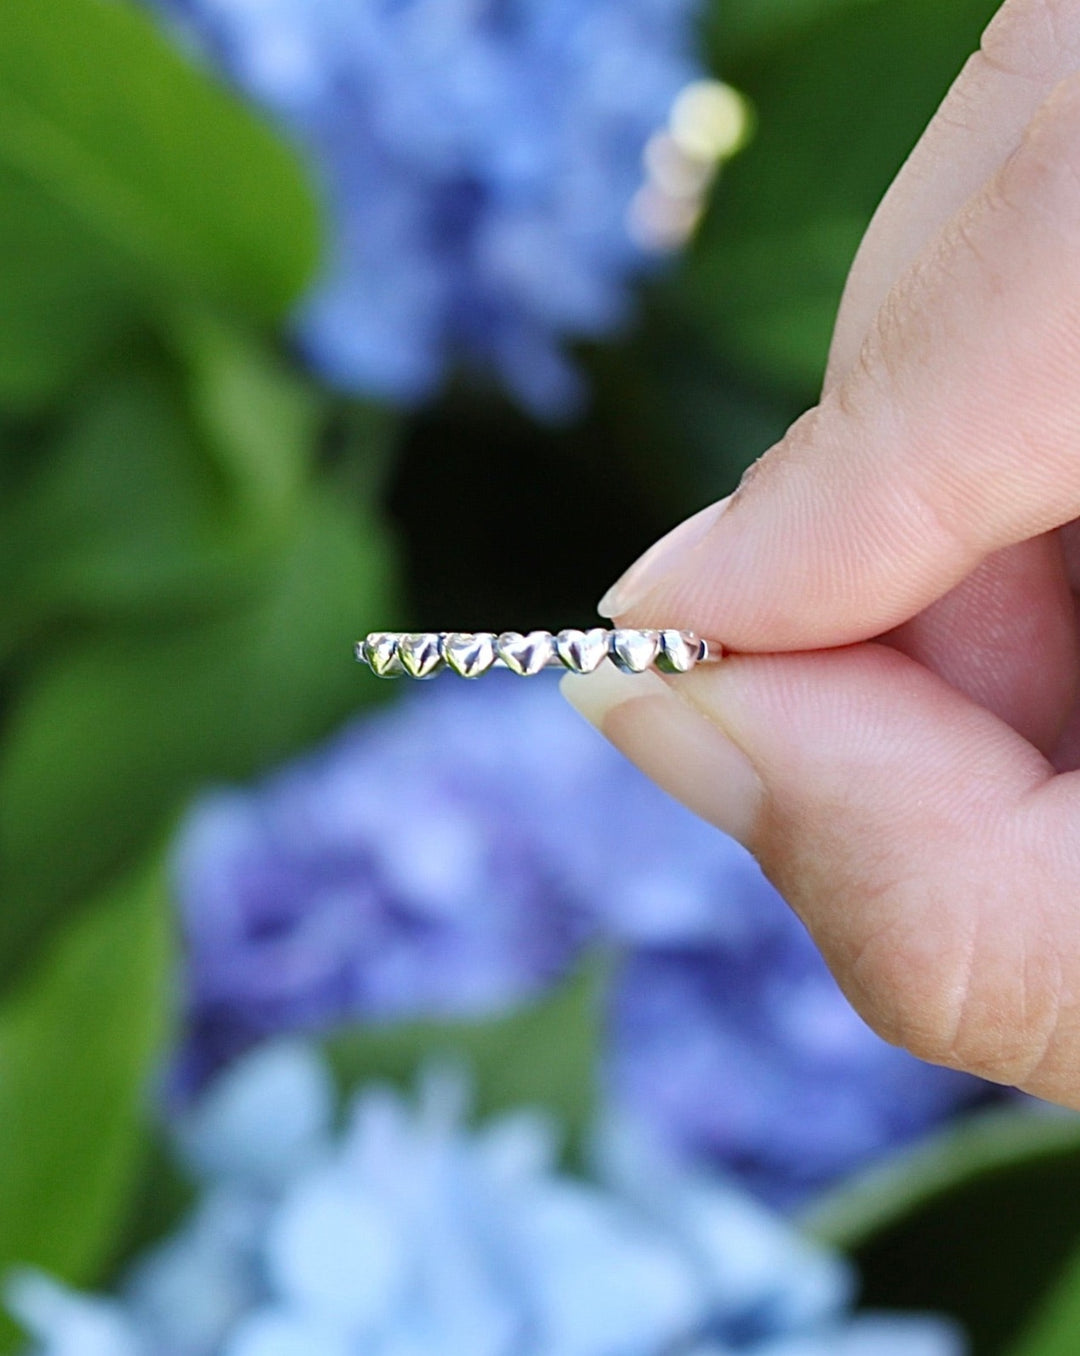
(633,651)
(421,654)
(679,651)
(526,655)
(380,652)
(469,654)
(582,651)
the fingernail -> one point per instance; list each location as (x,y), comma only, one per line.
(663,557)
(681,750)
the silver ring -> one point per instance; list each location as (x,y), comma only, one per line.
(423,654)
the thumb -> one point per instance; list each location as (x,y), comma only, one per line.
(925,844)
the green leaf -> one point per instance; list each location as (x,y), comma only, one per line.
(168,488)
(839,102)
(127,175)
(111,734)
(974,1222)
(79,1039)
(784,285)
(259,420)
(129,512)
(666,389)
(158,1203)
(544,1054)
(1055,1328)
(64,296)
(743,25)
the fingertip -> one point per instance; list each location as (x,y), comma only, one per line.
(683,751)
(594,695)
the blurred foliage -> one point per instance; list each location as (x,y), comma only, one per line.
(78,1037)
(841,98)
(127,178)
(976,1222)
(1056,1325)
(545,1054)
(118,727)
(740,26)
(184,563)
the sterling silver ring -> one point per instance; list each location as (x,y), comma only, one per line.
(423,654)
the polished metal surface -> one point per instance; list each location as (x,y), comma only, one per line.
(526,655)
(469,653)
(423,654)
(582,651)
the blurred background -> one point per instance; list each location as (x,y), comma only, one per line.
(340,1019)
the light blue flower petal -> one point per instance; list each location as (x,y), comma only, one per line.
(750,1258)
(464,1299)
(754,1259)
(869,1335)
(191,1289)
(284,1334)
(901,1335)
(65,1323)
(599,1277)
(335,1250)
(439,1187)
(518,1147)
(264,1119)
(415,1236)
(456,1312)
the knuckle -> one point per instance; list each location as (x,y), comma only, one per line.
(958,1000)
(909,988)
(760,475)
(867,389)
(951,969)
(1006,1019)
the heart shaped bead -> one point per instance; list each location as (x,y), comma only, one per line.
(421,654)
(679,651)
(380,652)
(633,651)
(526,655)
(582,651)
(467,654)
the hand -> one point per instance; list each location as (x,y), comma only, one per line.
(894,737)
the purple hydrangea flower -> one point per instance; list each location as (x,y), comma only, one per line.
(755,1060)
(454,853)
(407,1234)
(477,158)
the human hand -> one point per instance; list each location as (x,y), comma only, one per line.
(896,737)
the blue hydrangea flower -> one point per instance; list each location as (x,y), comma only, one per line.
(408,1235)
(454,853)
(477,158)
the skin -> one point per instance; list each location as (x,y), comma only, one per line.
(896,737)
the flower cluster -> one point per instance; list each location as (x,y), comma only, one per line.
(408,1235)
(454,853)
(755,1060)
(478,159)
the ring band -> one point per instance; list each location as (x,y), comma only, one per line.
(423,654)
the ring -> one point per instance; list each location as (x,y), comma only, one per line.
(423,654)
